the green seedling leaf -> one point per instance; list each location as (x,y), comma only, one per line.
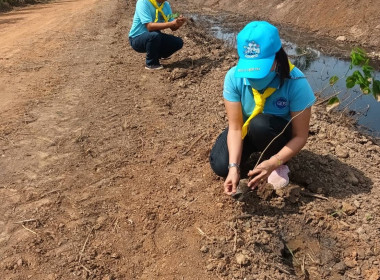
(333,102)
(333,80)
(368,70)
(359,77)
(350,82)
(376,89)
(173,16)
(363,78)
(368,217)
(358,57)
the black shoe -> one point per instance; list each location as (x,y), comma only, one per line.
(154,67)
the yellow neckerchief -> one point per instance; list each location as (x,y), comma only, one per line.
(259,104)
(159,9)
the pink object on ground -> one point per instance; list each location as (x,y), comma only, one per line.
(279,177)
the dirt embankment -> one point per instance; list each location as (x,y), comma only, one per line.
(354,23)
(104,169)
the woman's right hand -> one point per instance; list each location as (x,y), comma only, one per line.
(232,181)
(178,22)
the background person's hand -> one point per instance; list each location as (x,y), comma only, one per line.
(232,181)
(180,21)
(260,174)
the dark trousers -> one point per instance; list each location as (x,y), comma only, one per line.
(262,129)
(156,45)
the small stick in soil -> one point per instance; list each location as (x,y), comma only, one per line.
(84,245)
(28,229)
(85,268)
(203,233)
(53,191)
(314,195)
(311,258)
(282,269)
(26,221)
(192,144)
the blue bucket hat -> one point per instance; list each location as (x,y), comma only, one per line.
(257,45)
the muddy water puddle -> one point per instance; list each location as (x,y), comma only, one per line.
(318,68)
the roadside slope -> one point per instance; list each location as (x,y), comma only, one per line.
(357,21)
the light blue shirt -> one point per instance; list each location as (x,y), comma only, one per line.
(294,95)
(145,13)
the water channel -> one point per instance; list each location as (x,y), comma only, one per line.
(319,68)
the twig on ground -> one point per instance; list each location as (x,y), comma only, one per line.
(314,195)
(282,269)
(311,258)
(303,266)
(28,229)
(26,221)
(85,268)
(84,245)
(194,142)
(116,224)
(45,194)
(203,233)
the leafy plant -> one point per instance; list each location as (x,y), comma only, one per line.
(363,77)
(173,16)
(332,103)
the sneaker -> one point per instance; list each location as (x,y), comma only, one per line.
(165,58)
(279,177)
(154,67)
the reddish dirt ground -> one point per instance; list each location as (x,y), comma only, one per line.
(104,169)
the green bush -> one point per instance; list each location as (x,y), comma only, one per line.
(6,5)
(363,78)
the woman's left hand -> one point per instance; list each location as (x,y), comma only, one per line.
(260,174)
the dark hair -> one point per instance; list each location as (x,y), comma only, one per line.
(282,68)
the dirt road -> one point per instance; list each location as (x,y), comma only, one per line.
(104,168)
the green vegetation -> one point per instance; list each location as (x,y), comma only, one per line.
(363,78)
(173,16)
(7,5)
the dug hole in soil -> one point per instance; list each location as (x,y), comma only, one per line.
(104,170)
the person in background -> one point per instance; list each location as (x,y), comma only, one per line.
(145,36)
(262,94)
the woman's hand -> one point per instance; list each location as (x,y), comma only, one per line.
(232,181)
(261,173)
(178,22)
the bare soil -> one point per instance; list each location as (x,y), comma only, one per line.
(104,169)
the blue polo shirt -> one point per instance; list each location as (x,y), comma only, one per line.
(145,13)
(294,95)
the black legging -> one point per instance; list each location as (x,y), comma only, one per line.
(261,131)
(156,45)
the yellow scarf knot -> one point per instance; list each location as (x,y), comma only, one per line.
(259,104)
(159,10)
